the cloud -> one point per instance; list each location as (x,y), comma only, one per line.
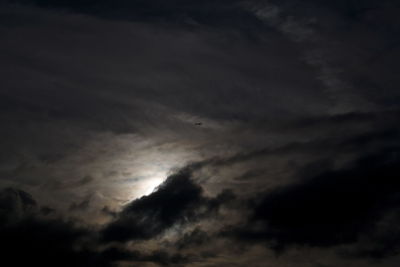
(178,200)
(31,238)
(84,205)
(97,93)
(35,235)
(326,208)
(15,204)
(28,239)
(197,237)
(194,13)
(332,208)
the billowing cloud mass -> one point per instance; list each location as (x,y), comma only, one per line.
(177,201)
(199,133)
(333,207)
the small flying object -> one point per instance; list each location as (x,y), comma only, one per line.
(198,124)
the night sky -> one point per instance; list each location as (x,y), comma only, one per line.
(199,133)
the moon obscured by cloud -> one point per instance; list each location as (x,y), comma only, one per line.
(199,133)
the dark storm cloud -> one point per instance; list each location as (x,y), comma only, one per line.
(15,203)
(334,207)
(178,200)
(30,238)
(29,231)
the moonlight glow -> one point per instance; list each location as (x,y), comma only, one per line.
(152,183)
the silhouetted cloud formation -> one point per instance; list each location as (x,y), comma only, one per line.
(327,209)
(29,238)
(177,201)
(331,208)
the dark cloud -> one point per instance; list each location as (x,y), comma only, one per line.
(334,207)
(30,239)
(27,239)
(159,257)
(15,204)
(178,200)
(380,243)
